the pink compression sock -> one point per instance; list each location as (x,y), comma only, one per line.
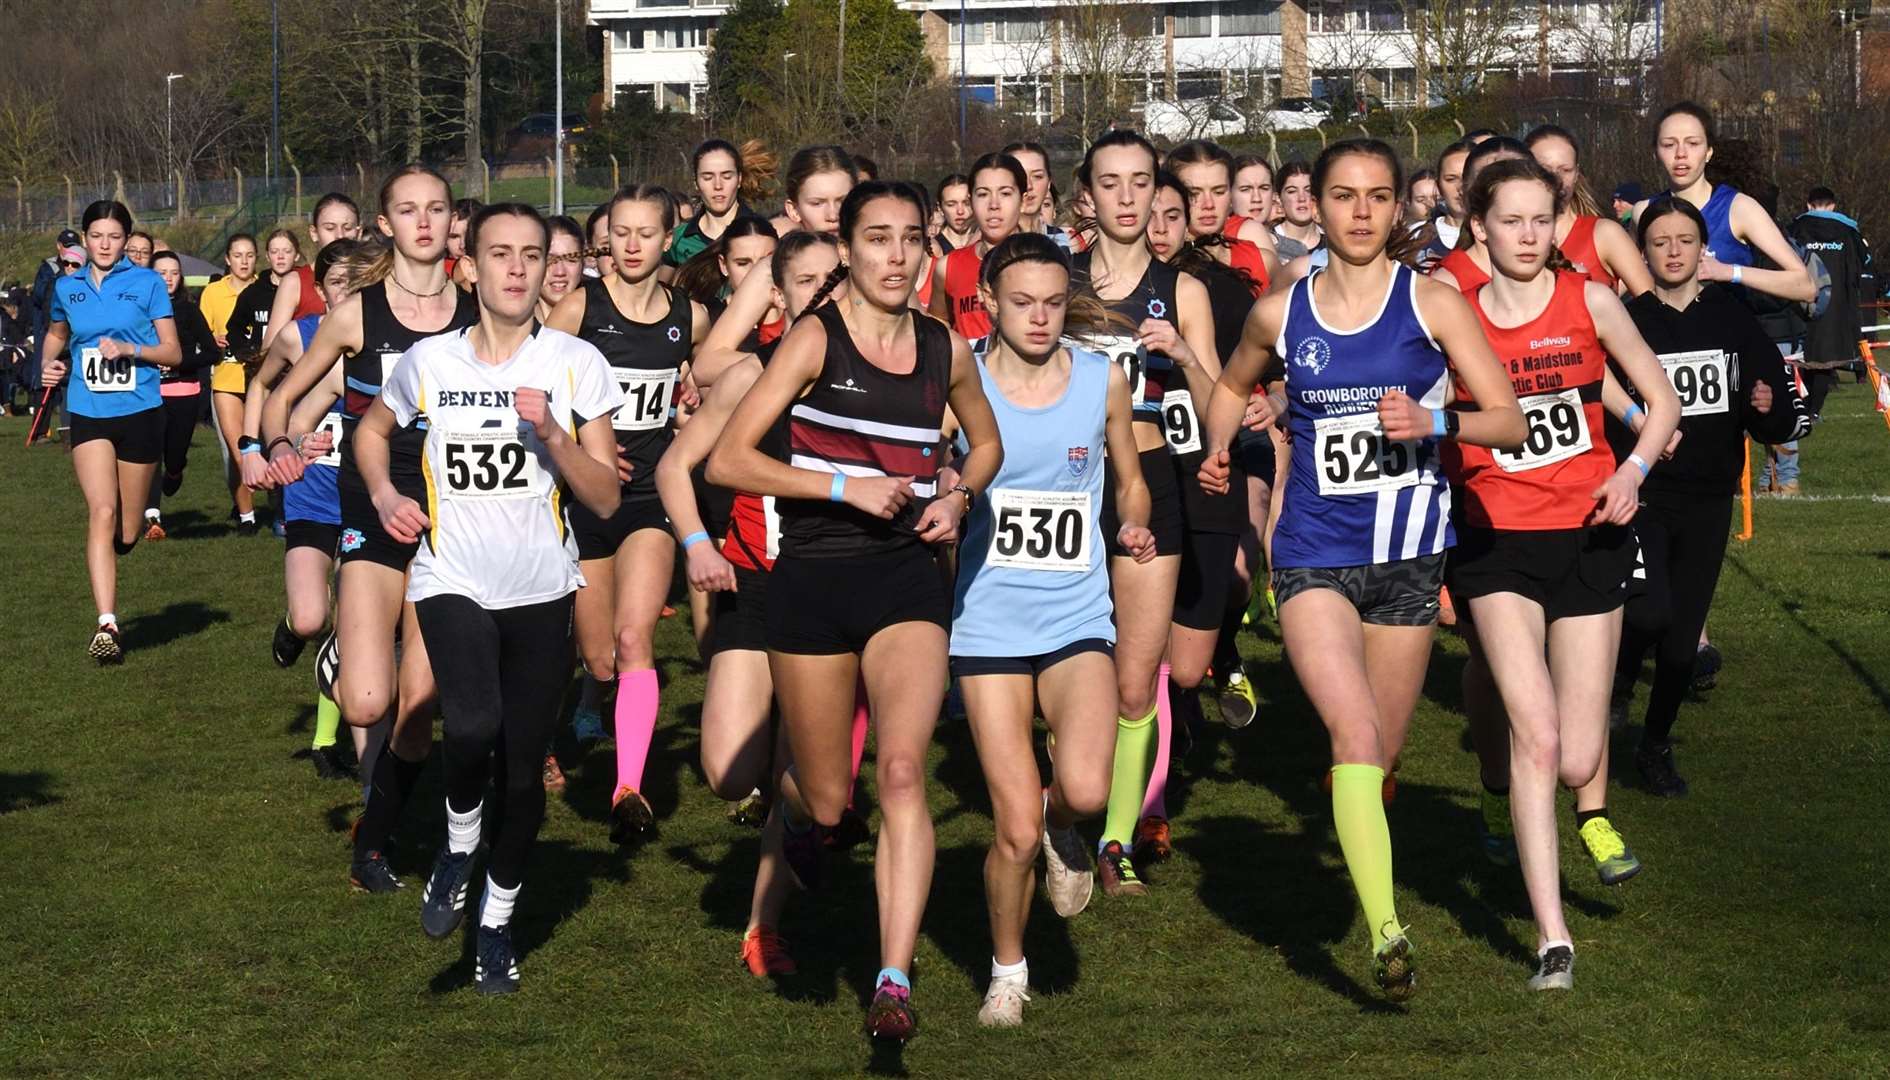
(859,737)
(1155,803)
(635,724)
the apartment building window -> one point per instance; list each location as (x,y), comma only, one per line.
(1018,29)
(1326,16)
(1384,16)
(970,33)
(1250,19)
(662,3)
(1194,22)
(1195,85)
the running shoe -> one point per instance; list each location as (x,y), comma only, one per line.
(279,529)
(1004,1003)
(1395,967)
(287,646)
(1117,872)
(443,902)
(1234,694)
(331,763)
(495,965)
(173,482)
(587,724)
(890,1016)
(247,528)
(1151,841)
(766,953)
(371,874)
(154,531)
(1707,663)
(630,816)
(554,776)
(751,810)
(850,833)
(1067,876)
(108,645)
(1556,970)
(667,613)
(1614,860)
(1657,769)
(804,853)
(1496,831)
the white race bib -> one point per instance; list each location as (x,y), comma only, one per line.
(1354,457)
(389,361)
(104,376)
(1180,423)
(646,398)
(331,423)
(490,463)
(771,524)
(1040,530)
(1126,353)
(1558,430)
(1700,380)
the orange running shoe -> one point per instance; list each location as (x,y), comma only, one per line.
(766,953)
(1151,841)
(554,776)
(155,532)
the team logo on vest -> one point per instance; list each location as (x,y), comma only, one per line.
(675,334)
(849,387)
(1313,353)
(1539,343)
(1157,309)
(351,539)
(1078,461)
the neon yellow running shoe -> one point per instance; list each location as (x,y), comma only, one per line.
(1614,862)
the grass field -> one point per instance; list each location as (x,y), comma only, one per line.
(173,898)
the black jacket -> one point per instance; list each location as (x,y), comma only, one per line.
(1712,451)
(1832,337)
(194,338)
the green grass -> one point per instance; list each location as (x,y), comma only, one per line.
(173,899)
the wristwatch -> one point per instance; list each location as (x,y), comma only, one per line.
(247,445)
(1452,422)
(965,490)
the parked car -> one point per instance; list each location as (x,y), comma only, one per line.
(532,138)
(1199,118)
(1296,114)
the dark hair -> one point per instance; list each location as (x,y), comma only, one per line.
(1403,244)
(1200,152)
(1422,172)
(792,245)
(856,200)
(1295,167)
(1246,161)
(1461,146)
(106,208)
(465,209)
(652,193)
(1083,314)
(1191,256)
(1108,139)
(810,161)
(167,253)
(711,146)
(1820,194)
(1659,207)
(701,276)
(1475,135)
(1028,146)
(951,179)
(1687,108)
(1482,193)
(147,236)
(234,237)
(566,225)
(1005,162)
(598,213)
(286,234)
(336,251)
(865,168)
(486,213)
(333,198)
(1490,147)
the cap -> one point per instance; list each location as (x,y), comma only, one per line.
(1628,192)
(71,255)
(15,296)
(68,238)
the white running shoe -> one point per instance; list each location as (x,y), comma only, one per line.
(1067,874)
(1004,1003)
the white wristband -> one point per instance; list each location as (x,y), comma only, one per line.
(1639,462)
(1738,272)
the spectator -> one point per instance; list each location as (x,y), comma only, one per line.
(68,256)
(16,338)
(1626,198)
(1832,339)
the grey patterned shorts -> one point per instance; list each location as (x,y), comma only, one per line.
(1402,593)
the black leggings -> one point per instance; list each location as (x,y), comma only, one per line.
(501,674)
(1683,543)
(180,418)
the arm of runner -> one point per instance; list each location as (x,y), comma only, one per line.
(1622,258)
(1125,470)
(941,304)
(1227,406)
(339,334)
(282,309)
(1760,368)
(53,367)
(939,523)
(568,314)
(400,516)
(1199,362)
(747,305)
(283,352)
(1497,422)
(1791,281)
(707,570)
(166,353)
(738,463)
(1618,402)
(1619,495)
(587,463)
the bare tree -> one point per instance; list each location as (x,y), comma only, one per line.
(1455,44)
(1095,54)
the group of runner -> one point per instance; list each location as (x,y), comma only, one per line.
(901,438)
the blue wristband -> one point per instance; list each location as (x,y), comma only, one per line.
(250,450)
(1438,427)
(838,492)
(1632,412)
(693,539)
(1639,463)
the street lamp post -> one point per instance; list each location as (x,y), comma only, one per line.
(169,156)
(557,184)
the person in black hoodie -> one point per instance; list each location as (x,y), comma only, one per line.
(1831,341)
(179,387)
(1731,383)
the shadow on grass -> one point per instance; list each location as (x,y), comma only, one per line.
(25,790)
(1795,612)
(560,879)
(178,620)
(193,525)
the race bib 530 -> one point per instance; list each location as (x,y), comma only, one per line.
(1040,530)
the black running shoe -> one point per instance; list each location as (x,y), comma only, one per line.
(443,904)
(495,965)
(331,763)
(1657,769)
(172,482)
(850,833)
(287,646)
(108,646)
(371,874)
(1555,970)
(1706,666)
(247,528)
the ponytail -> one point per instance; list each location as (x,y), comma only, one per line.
(757,164)
(834,277)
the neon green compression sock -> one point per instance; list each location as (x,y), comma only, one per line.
(327,721)
(1135,753)
(1358,812)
